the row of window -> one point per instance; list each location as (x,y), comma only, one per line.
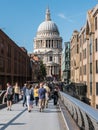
(84,51)
(84,68)
(7,51)
(19,68)
(4,49)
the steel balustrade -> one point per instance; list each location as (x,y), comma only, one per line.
(85,116)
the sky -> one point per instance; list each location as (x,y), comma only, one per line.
(20,19)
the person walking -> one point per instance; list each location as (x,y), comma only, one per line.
(29,97)
(16,92)
(41,93)
(9,95)
(55,95)
(36,95)
(47,94)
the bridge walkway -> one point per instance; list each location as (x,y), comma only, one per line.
(20,119)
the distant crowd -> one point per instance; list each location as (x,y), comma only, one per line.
(38,94)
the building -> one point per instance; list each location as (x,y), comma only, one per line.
(87,71)
(48,46)
(66,63)
(14,62)
(35,65)
(74,48)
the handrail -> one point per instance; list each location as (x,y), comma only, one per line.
(85,115)
(2,94)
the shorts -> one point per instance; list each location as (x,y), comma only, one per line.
(9,97)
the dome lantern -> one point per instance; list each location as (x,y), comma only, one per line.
(47,18)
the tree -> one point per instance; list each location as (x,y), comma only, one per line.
(42,70)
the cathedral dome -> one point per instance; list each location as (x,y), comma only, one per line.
(48,25)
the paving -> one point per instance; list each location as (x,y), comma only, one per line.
(19,118)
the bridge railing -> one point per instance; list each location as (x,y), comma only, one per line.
(2,94)
(85,116)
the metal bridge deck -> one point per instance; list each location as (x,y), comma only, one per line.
(20,119)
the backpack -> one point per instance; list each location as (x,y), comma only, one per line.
(31,96)
(10,90)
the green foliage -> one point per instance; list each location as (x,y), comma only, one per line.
(42,70)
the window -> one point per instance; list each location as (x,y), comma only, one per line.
(96,66)
(9,50)
(84,69)
(90,49)
(96,44)
(80,56)
(52,43)
(49,43)
(46,44)
(2,48)
(84,53)
(97,88)
(50,58)
(80,41)
(90,88)
(80,71)
(97,106)
(2,65)
(9,66)
(77,48)
(90,68)
(95,23)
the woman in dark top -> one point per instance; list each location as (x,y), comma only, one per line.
(55,96)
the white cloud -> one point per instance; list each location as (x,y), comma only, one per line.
(61,15)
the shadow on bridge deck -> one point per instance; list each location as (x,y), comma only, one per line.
(19,118)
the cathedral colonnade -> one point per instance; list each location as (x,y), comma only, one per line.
(53,70)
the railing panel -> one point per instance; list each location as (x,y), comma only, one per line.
(85,116)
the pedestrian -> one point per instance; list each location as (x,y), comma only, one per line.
(55,96)
(41,93)
(36,98)
(47,94)
(9,96)
(29,97)
(16,92)
(24,94)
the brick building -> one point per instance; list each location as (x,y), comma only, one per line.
(14,62)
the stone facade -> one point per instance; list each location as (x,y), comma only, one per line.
(74,48)
(86,70)
(48,46)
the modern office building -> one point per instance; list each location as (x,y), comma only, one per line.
(65,64)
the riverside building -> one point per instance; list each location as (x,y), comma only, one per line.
(14,62)
(84,56)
